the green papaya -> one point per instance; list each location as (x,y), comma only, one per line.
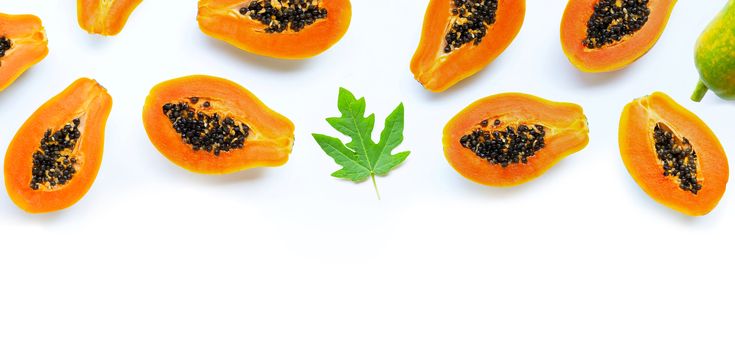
(715,56)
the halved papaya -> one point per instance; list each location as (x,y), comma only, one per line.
(211,125)
(54,158)
(509,139)
(289,29)
(23,43)
(673,155)
(105,17)
(461,37)
(607,35)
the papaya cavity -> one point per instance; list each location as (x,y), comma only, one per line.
(205,130)
(214,126)
(505,145)
(23,43)
(677,157)
(286,15)
(673,155)
(607,35)
(54,158)
(288,29)
(510,139)
(470,20)
(461,37)
(105,17)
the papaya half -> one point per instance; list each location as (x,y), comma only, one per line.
(23,43)
(211,125)
(714,56)
(673,155)
(607,35)
(288,29)
(105,17)
(461,37)
(54,158)
(509,139)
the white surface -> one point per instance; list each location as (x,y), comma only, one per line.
(155,257)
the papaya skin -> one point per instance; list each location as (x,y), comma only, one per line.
(105,17)
(30,46)
(566,133)
(84,99)
(714,56)
(637,149)
(220,19)
(614,56)
(268,145)
(436,70)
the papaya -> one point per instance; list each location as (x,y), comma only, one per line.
(608,35)
(210,125)
(23,43)
(509,139)
(461,37)
(54,158)
(105,17)
(287,29)
(714,56)
(672,154)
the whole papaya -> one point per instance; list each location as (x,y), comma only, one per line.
(715,56)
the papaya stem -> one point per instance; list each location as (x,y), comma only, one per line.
(375,184)
(699,92)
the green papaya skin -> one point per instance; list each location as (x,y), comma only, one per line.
(715,56)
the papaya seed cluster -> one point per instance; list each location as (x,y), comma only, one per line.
(5,45)
(283,15)
(612,20)
(470,21)
(505,145)
(678,158)
(53,161)
(204,130)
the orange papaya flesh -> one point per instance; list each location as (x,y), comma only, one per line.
(607,35)
(673,155)
(105,17)
(260,28)
(509,139)
(458,39)
(213,126)
(23,43)
(54,158)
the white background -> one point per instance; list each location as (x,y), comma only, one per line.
(155,257)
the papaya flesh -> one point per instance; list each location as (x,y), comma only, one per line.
(54,158)
(607,35)
(105,17)
(272,27)
(23,43)
(715,56)
(211,125)
(673,155)
(509,139)
(446,54)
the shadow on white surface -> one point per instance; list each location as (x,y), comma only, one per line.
(588,79)
(45,220)
(248,175)
(94,41)
(465,85)
(165,166)
(662,212)
(11,93)
(274,64)
(495,193)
